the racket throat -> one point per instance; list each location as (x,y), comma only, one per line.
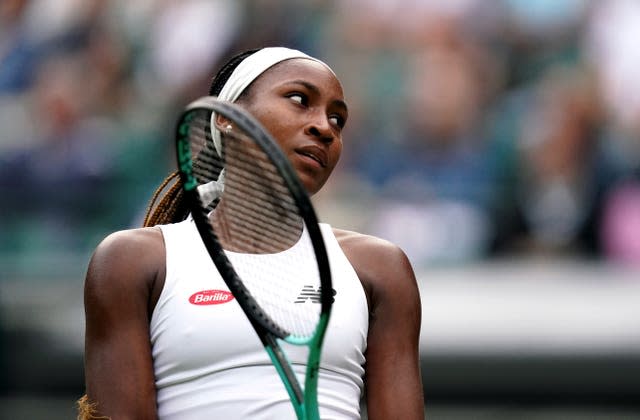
(287,375)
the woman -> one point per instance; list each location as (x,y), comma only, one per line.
(139,363)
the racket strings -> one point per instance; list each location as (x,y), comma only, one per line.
(259,215)
(245,230)
(272,282)
(259,224)
(262,208)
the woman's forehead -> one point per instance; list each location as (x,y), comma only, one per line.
(311,71)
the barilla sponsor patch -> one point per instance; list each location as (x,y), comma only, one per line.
(210,297)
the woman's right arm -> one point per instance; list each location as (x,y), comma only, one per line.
(121,287)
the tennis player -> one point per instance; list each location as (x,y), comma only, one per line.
(160,344)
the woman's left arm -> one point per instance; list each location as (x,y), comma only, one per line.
(393,381)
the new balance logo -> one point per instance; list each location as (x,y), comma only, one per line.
(310,294)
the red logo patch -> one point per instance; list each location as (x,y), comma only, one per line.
(210,297)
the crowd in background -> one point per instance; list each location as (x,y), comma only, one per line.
(477,130)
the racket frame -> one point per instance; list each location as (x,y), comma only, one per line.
(305,401)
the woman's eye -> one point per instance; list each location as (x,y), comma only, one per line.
(298,98)
(337,120)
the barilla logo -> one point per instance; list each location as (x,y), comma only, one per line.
(210,297)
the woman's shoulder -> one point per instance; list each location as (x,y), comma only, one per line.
(373,246)
(131,243)
(127,255)
(379,263)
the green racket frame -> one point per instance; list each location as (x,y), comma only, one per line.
(305,401)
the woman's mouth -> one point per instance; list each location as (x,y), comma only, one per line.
(313,153)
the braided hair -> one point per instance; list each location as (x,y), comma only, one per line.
(167,204)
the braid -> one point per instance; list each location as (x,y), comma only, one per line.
(170,208)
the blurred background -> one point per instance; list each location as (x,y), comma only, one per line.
(497,142)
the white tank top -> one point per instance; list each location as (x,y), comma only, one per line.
(208,360)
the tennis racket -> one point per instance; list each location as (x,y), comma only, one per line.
(259,229)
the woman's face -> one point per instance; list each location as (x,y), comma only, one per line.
(301,103)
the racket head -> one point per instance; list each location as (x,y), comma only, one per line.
(252,224)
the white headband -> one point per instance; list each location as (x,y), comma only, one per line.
(247,71)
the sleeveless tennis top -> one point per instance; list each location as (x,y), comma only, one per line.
(210,364)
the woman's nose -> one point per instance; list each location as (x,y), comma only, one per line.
(321,128)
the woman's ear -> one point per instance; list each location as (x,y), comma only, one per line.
(223,124)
